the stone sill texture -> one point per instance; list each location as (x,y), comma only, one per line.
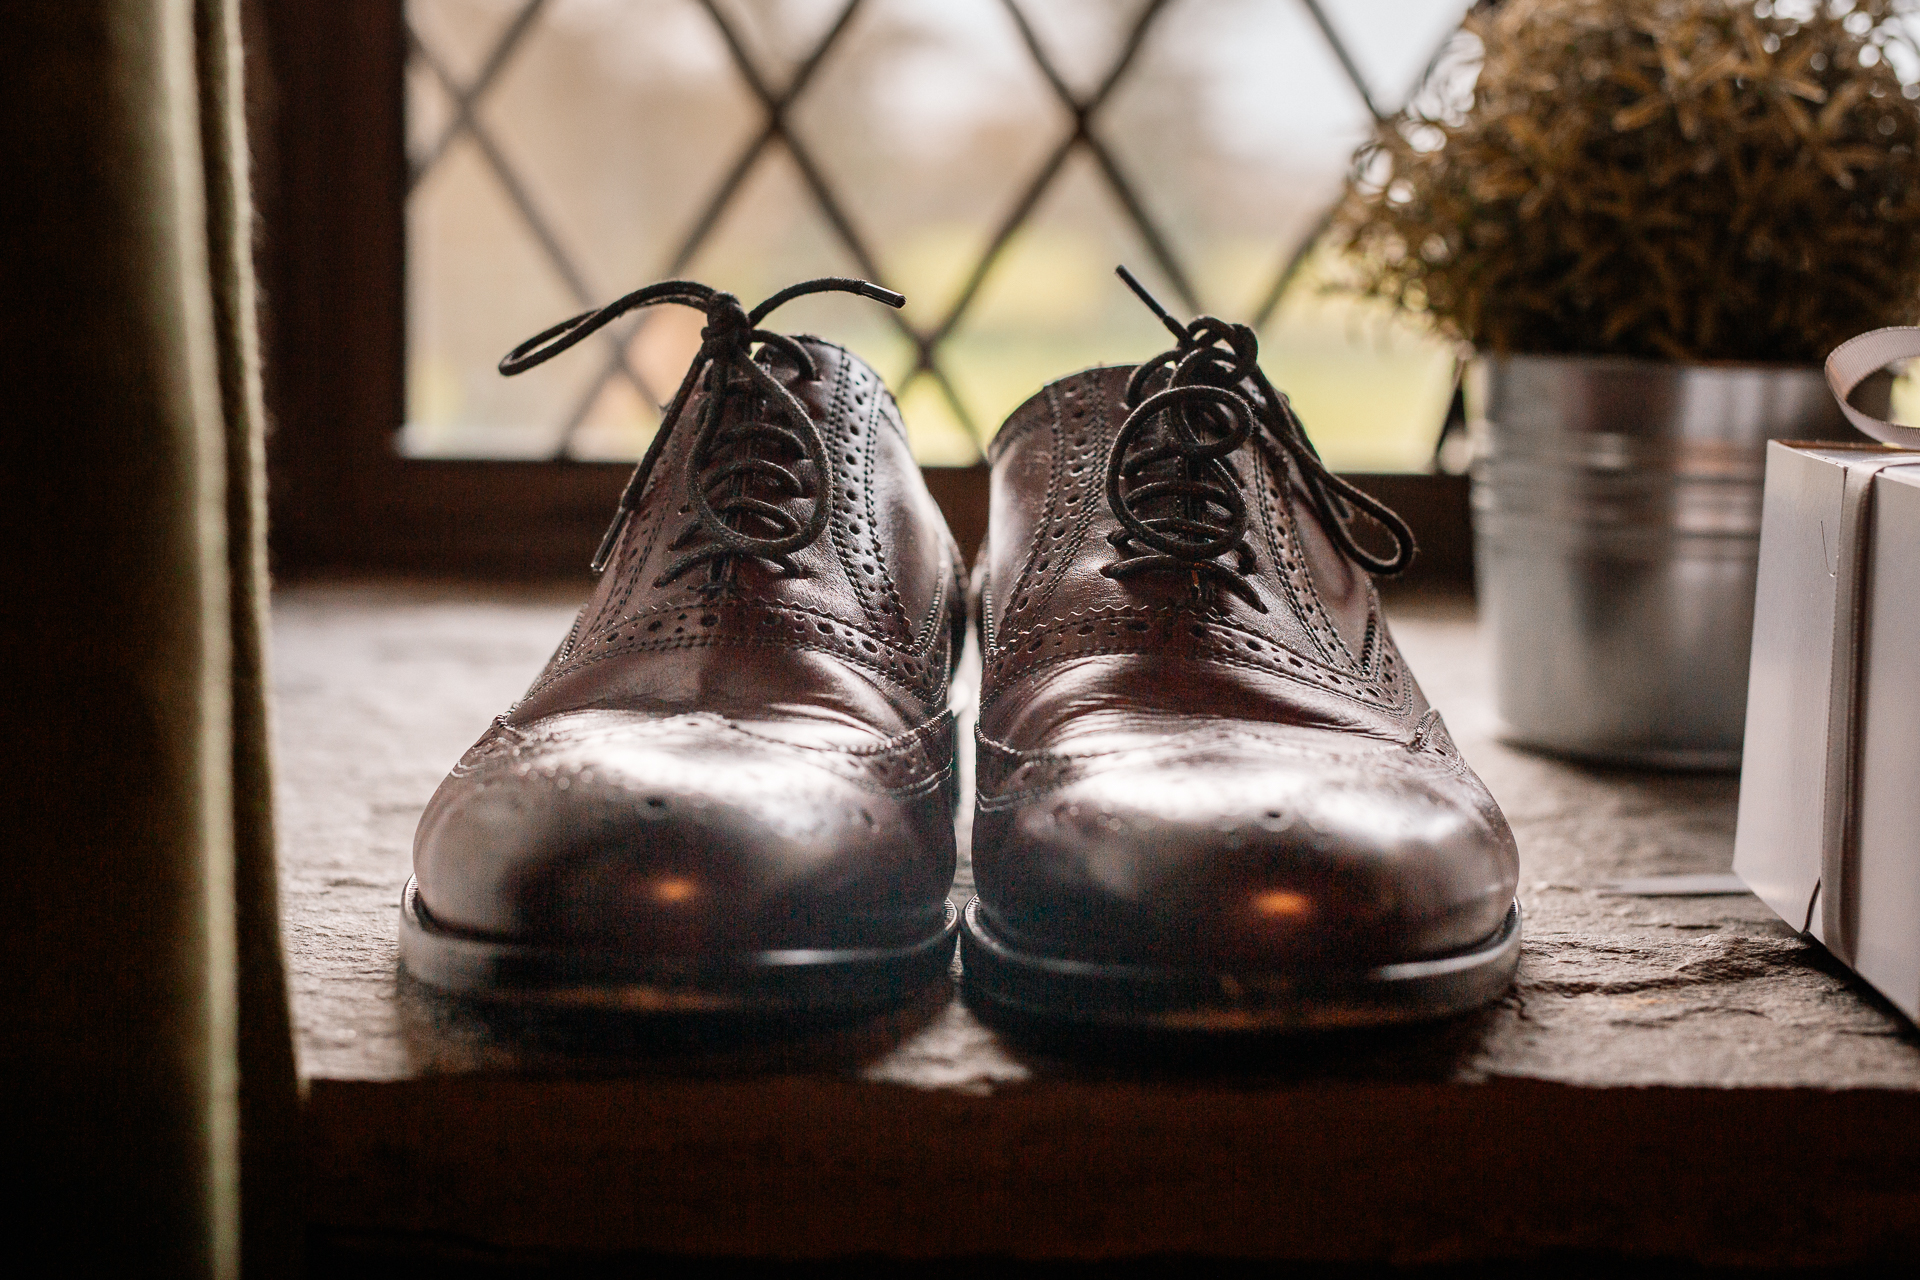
(1670,1077)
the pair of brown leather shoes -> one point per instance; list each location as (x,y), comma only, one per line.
(1210,793)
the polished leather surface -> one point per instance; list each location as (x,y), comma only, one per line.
(766,766)
(1169,776)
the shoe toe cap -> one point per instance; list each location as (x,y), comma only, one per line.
(688,842)
(1266,858)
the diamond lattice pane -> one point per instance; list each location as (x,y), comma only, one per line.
(1392,41)
(620,116)
(475,276)
(607,130)
(1236,126)
(462,33)
(772,234)
(779,35)
(928,121)
(1051,305)
(1082,39)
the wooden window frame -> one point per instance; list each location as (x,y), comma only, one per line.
(329,126)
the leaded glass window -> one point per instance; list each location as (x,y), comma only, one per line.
(991,159)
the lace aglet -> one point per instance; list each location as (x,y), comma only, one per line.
(873,291)
(1153,304)
(609,539)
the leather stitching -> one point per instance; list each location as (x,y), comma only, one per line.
(914,788)
(1033,594)
(924,635)
(1095,440)
(502,734)
(1283,540)
(1297,576)
(899,426)
(925,753)
(1011,653)
(1021,655)
(925,676)
(1403,697)
(897,607)
(919,683)
(657,495)
(986,603)
(1023,580)
(878,599)
(1020,421)
(899,743)
(1435,757)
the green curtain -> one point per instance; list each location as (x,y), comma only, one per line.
(148,1061)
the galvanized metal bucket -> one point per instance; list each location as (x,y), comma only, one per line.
(1616,508)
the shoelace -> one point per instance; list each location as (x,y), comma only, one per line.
(739,481)
(1187,520)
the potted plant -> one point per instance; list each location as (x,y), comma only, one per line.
(1650,220)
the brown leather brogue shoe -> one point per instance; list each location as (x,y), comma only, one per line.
(732,788)
(1210,794)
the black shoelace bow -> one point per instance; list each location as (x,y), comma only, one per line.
(740,478)
(1185,516)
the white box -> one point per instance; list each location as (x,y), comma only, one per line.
(1829,825)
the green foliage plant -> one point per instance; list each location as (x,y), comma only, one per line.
(1675,179)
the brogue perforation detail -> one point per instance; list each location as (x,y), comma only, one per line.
(1204,638)
(1004,776)
(1033,413)
(906,765)
(1273,485)
(923,630)
(642,535)
(1082,435)
(997,766)
(1191,762)
(900,650)
(787,627)
(1020,635)
(983,601)
(855,532)
(1079,434)
(743,745)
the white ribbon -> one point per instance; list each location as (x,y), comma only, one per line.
(1855,360)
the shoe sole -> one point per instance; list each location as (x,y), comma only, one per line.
(1050,991)
(796,983)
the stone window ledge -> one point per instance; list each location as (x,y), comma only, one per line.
(1675,1077)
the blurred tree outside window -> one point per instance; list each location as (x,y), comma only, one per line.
(566,151)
